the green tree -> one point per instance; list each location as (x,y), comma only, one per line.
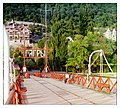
(77,53)
(30,63)
(82,46)
(86,23)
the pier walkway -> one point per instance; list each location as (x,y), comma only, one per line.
(48,91)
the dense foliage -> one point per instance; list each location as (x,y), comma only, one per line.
(82,46)
(80,21)
(103,14)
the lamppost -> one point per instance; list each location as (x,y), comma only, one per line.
(14,77)
(24,67)
(71,40)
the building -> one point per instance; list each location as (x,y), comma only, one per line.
(111,34)
(17,33)
(18,30)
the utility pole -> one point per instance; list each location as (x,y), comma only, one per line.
(24,66)
(24,46)
(13,54)
(46,57)
(46,45)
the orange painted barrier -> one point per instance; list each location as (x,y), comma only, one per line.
(26,74)
(57,76)
(16,93)
(114,86)
(81,80)
(38,74)
(19,93)
(102,84)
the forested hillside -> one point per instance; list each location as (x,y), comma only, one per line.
(102,14)
(75,20)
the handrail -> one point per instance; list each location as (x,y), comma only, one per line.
(103,76)
(11,95)
(15,95)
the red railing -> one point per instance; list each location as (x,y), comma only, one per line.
(100,83)
(26,74)
(16,92)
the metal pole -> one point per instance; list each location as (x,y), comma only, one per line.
(87,80)
(46,46)
(14,73)
(24,46)
(101,62)
(13,30)
(46,58)
(89,65)
(11,65)
(13,54)
(107,63)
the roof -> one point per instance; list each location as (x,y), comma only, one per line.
(16,66)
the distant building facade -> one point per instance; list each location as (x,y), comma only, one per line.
(111,34)
(18,30)
(17,33)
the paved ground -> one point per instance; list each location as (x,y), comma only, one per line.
(47,91)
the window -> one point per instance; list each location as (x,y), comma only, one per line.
(20,38)
(15,32)
(11,38)
(21,33)
(26,32)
